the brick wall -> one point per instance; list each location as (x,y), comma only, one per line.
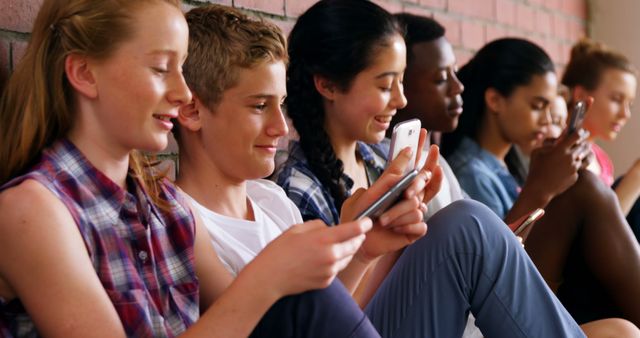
(554,24)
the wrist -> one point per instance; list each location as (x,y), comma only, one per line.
(538,197)
(258,278)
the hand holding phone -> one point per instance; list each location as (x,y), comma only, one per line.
(389,198)
(577,116)
(405,134)
(532,218)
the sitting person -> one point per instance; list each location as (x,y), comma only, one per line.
(583,238)
(112,250)
(433,95)
(346,61)
(609,77)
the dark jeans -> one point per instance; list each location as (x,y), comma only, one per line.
(326,313)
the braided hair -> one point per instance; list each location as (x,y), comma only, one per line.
(335,39)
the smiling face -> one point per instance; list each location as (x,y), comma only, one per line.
(432,87)
(241,132)
(611,107)
(524,117)
(140,86)
(363,111)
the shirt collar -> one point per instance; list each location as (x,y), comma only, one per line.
(111,197)
(472,148)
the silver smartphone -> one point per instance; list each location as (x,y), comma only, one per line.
(532,218)
(405,134)
(390,197)
(577,116)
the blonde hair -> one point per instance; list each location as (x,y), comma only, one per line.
(222,40)
(589,60)
(37,108)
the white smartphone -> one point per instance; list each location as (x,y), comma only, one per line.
(532,218)
(405,134)
(389,198)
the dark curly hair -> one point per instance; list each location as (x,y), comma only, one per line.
(336,39)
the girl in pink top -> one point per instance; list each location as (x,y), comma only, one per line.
(610,78)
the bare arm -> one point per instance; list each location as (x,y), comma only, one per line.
(554,168)
(44,261)
(237,306)
(628,190)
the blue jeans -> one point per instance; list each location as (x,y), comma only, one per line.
(325,313)
(468,261)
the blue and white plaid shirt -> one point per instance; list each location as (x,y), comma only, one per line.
(307,192)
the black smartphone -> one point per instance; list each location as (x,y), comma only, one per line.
(532,218)
(577,116)
(390,197)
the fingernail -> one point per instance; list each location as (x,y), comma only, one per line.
(429,174)
(367,224)
(382,220)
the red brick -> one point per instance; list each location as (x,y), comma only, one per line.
(452,26)
(286,26)
(271,6)
(551,47)
(576,8)
(576,30)
(564,51)
(294,8)
(418,11)
(475,8)
(393,7)
(525,17)
(537,3)
(560,26)
(18,15)
(554,5)
(494,32)
(473,36)
(506,12)
(439,4)
(462,56)
(17,51)
(544,22)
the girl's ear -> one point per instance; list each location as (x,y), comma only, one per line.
(79,74)
(579,93)
(325,87)
(189,115)
(493,100)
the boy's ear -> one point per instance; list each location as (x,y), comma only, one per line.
(493,100)
(189,115)
(325,87)
(78,70)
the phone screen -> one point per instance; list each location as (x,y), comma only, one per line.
(389,198)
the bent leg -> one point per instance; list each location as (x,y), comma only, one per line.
(585,226)
(325,313)
(468,261)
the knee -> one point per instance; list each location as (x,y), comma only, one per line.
(468,223)
(611,327)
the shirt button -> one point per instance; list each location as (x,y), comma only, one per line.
(143,255)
